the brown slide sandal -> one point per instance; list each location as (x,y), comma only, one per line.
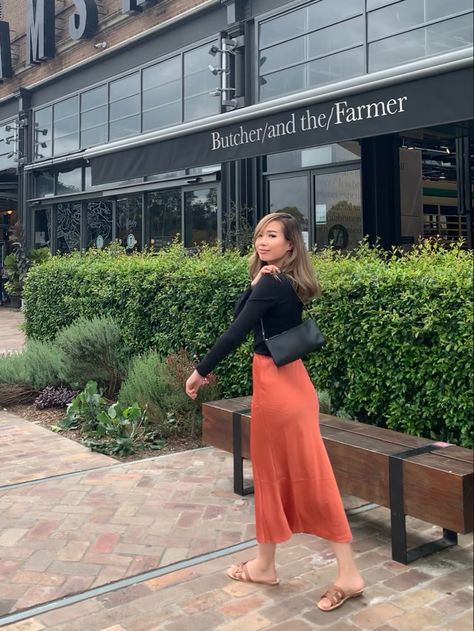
(241,569)
(337,597)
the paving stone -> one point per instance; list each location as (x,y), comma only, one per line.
(26,625)
(376,615)
(406,580)
(252,622)
(462,623)
(421,618)
(294,625)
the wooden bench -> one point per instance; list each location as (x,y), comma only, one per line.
(412,476)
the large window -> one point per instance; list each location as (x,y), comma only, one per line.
(42,228)
(66,125)
(94,117)
(164,216)
(198,82)
(311,46)
(43,133)
(157,96)
(8,145)
(129,221)
(200,216)
(162,94)
(413,29)
(98,222)
(331,40)
(68,227)
(125,107)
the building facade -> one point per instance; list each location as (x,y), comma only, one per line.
(147,121)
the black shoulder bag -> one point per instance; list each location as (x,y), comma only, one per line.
(296,342)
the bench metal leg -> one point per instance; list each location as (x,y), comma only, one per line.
(398,517)
(238,460)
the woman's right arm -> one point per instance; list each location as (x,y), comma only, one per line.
(264,295)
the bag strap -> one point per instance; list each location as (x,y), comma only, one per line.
(305,307)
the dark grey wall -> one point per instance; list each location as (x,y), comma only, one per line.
(8,109)
(205,24)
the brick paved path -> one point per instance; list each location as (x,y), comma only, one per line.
(11,337)
(71,534)
(29,451)
(434,594)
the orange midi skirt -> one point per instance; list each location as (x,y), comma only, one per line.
(295,487)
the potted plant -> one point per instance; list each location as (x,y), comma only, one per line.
(17,264)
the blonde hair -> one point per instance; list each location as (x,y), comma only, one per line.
(296,264)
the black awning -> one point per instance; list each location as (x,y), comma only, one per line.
(433,100)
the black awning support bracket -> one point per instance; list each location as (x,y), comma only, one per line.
(400,552)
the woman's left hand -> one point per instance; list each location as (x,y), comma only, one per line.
(193,384)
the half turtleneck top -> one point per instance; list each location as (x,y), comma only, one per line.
(273,300)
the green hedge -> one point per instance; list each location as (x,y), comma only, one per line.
(399,326)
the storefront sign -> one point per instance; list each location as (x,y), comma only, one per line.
(40,29)
(429,101)
(84,22)
(338,113)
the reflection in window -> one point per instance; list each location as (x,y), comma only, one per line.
(306,54)
(164,216)
(8,145)
(43,133)
(290,195)
(125,107)
(314,156)
(336,67)
(68,227)
(94,117)
(198,82)
(69,182)
(42,228)
(98,223)
(129,221)
(431,40)
(44,184)
(328,12)
(409,13)
(162,94)
(66,126)
(337,212)
(200,216)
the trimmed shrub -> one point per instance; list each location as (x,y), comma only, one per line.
(93,350)
(398,326)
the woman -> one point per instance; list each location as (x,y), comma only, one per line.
(295,488)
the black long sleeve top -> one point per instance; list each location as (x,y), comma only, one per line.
(274,300)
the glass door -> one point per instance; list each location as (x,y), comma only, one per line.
(290,194)
(337,208)
(164,216)
(200,209)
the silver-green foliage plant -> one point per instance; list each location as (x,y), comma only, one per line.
(38,365)
(93,350)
